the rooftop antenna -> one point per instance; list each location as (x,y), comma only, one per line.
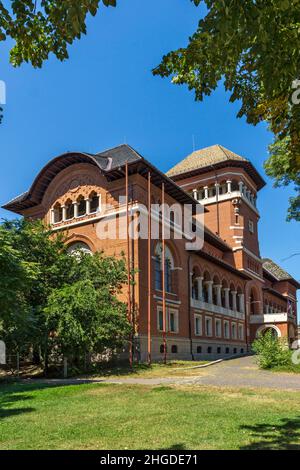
(125,139)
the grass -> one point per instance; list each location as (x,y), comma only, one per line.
(171,369)
(107,416)
(291,368)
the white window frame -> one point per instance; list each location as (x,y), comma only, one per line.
(226,336)
(209,335)
(219,322)
(198,317)
(241,331)
(159,309)
(233,327)
(176,319)
(169,310)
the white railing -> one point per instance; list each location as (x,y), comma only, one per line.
(269,318)
(204,306)
(224,197)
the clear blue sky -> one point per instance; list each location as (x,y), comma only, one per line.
(105,94)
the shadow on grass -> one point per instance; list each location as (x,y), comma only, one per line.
(17,393)
(282,436)
(179,446)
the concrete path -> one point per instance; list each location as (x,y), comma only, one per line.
(241,372)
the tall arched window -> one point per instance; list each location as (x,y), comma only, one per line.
(57,213)
(69,209)
(81,206)
(94,202)
(169,264)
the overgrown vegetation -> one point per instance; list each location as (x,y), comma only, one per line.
(271,351)
(53,303)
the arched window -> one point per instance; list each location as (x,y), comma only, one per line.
(81,206)
(57,213)
(169,265)
(216,284)
(254,303)
(78,248)
(195,290)
(205,292)
(69,209)
(223,293)
(94,202)
(232,289)
(174,349)
(240,300)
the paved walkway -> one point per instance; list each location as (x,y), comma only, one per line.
(241,372)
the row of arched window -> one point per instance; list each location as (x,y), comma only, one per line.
(73,209)
(213,291)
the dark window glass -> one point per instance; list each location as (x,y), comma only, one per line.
(158,279)
(94,204)
(81,207)
(70,211)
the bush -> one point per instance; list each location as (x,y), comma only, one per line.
(271,351)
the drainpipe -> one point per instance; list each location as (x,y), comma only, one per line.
(189,308)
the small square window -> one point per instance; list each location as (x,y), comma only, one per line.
(199,349)
(251,226)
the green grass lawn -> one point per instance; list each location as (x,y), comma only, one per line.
(102,416)
(158,369)
(171,369)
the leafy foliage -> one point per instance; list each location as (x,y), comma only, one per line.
(53,300)
(271,351)
(86,315)
(41,27)
(280,166)
(252,46)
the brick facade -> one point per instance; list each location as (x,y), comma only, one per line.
(220,297)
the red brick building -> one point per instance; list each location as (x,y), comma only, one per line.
(218,298)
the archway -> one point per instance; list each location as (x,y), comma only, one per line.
(265,328)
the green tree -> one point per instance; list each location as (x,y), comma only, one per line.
(17,276)
(271,351)
(252,46)
(86,316)
(39,28)
(34,263)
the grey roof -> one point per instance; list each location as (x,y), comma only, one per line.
(119,155)
(275,270)
(204,158)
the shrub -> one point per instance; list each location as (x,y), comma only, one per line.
(271,351)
